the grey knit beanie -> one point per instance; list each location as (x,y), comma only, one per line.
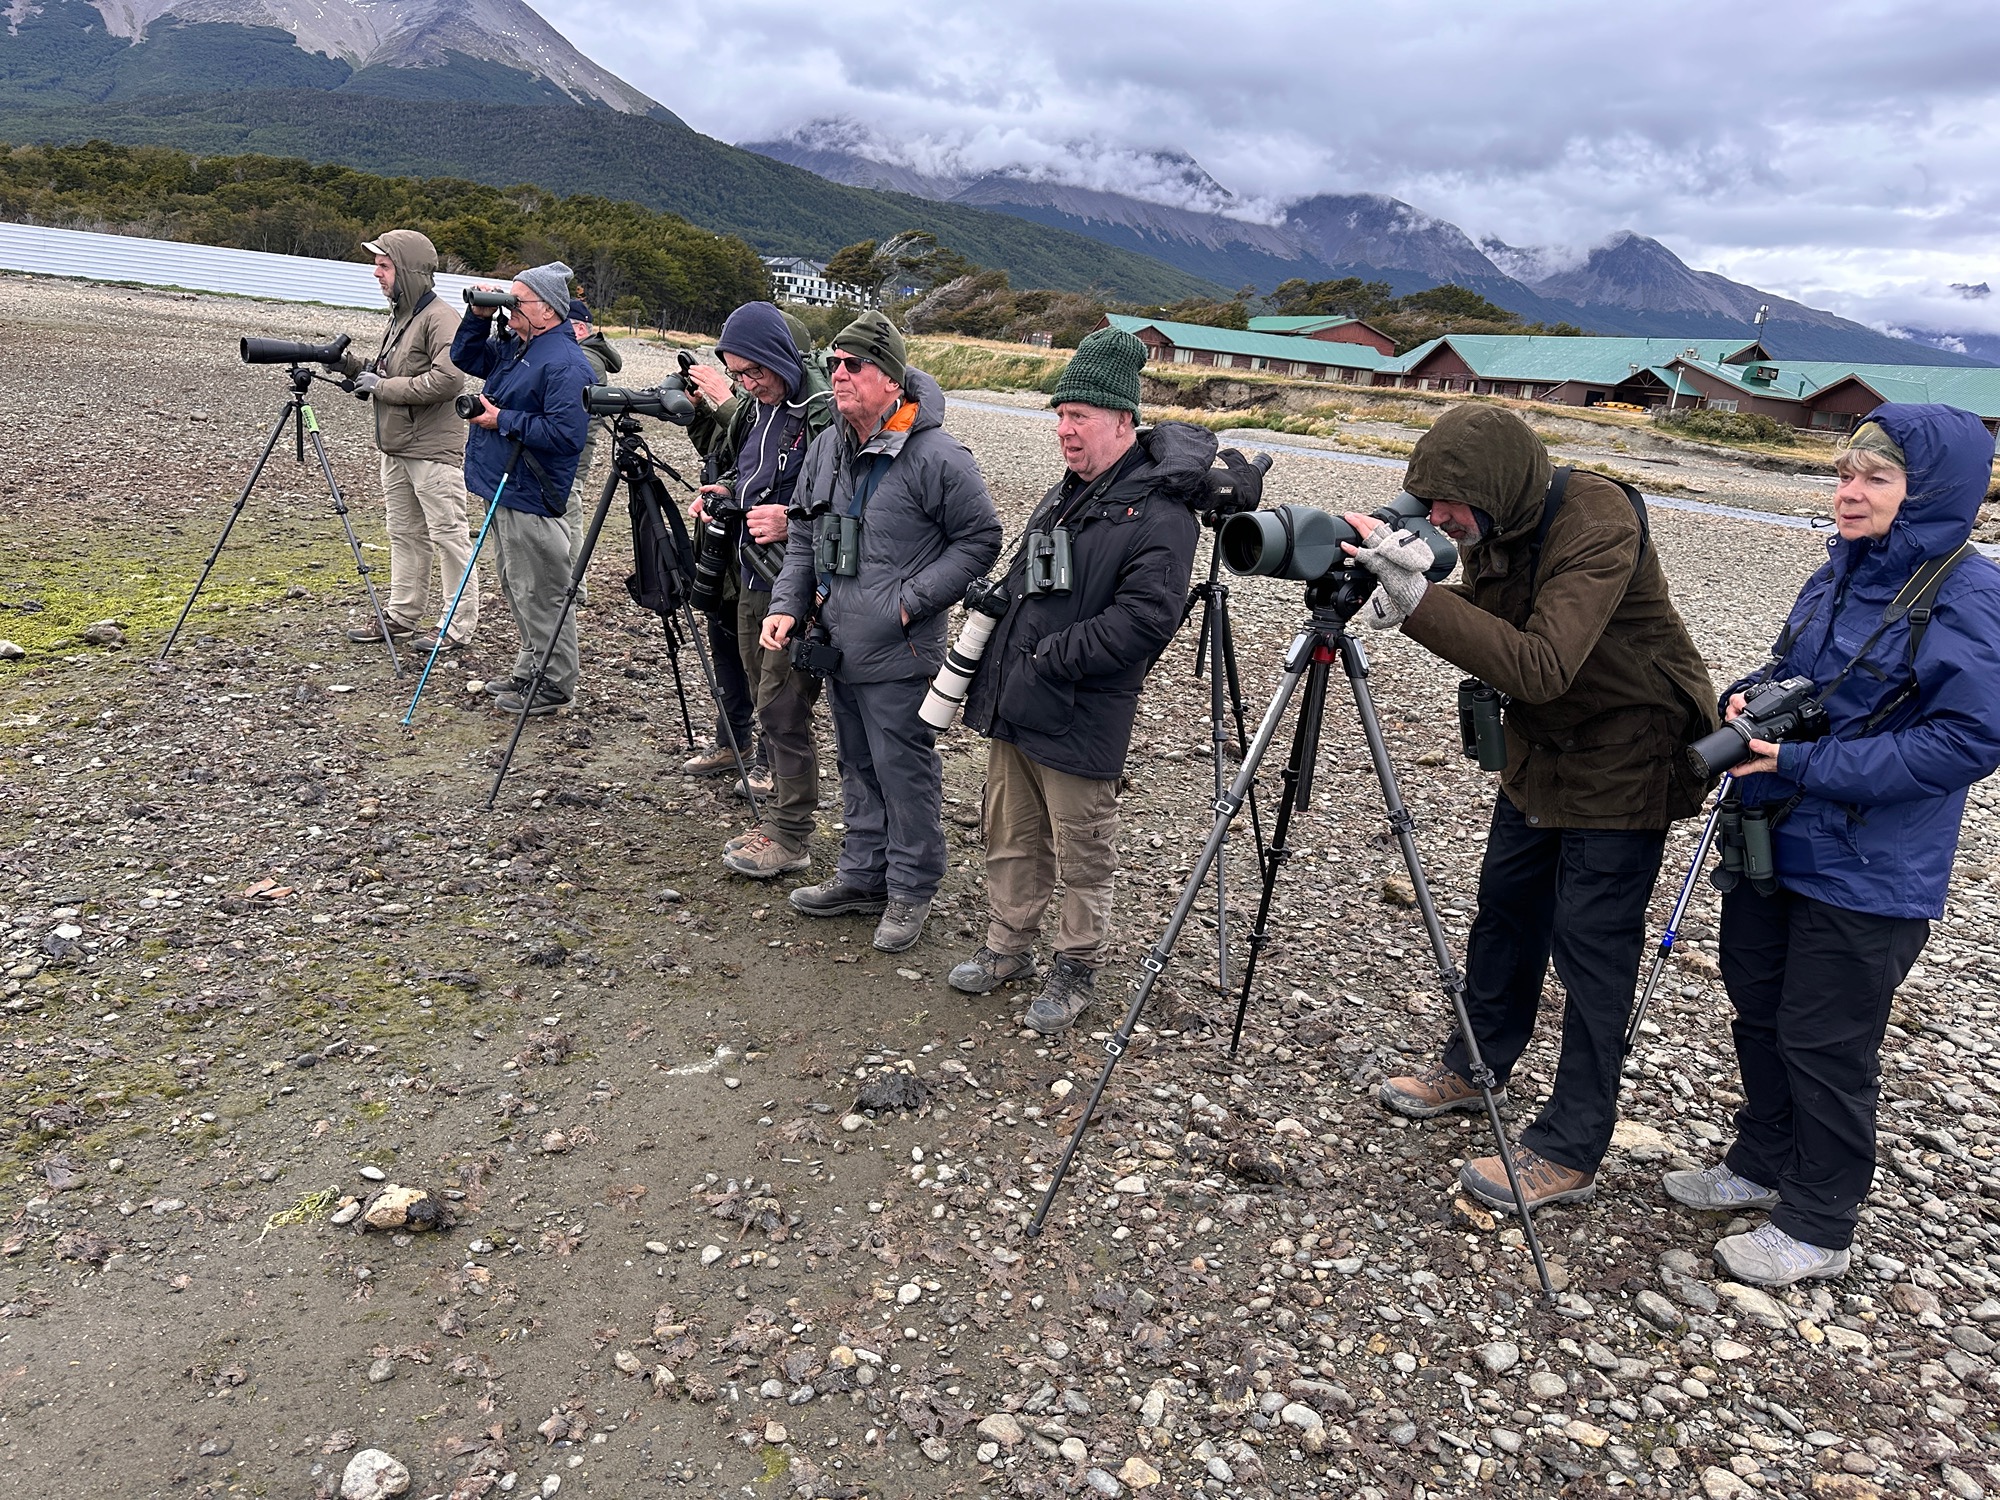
(1104,372)
(550,283)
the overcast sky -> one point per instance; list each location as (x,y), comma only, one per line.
(1844,154)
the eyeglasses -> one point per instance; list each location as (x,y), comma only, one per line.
(747,374)
(853,364)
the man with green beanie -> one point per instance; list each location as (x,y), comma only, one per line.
(1058,686)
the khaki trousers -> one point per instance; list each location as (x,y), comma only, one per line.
(426,504)
(1045,826)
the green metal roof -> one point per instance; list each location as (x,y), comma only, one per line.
(1975,390)
(1258,345)
(1314,323)
(1555,359)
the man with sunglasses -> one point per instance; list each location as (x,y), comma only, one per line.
(889,523)
(763,440)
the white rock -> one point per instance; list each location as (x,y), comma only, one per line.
(908,1292)
(1720,1484)
(1133,1184)
(1499,1356)
(1001,1428)
(373,1475)
(710,1254)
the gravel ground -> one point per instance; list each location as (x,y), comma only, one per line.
(266,954)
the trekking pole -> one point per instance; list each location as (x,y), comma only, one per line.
(492,509)
(1668,938)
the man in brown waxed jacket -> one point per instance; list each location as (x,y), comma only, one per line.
(1564,610)
(410,383)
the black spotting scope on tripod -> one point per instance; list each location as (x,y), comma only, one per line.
(1300,543)
(298,416)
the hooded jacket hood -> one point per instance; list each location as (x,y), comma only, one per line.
(1949,460)
(1485,457)
(416,260)
(758,332)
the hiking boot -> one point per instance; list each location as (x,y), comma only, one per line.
(501,686)
(739,840)
(1542,1181)
(1435,1091)
(763,858)
(1066,994)
(547,701)
(901,925)
(1717,1190)
(835,898)
(986,971)
(1767,1256)
(711,762)
(760,780)
(428,641)
(371,635)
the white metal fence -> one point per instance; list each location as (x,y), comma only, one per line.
(197,268)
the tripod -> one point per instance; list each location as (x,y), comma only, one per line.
(1673,930)
(300,418)
(632,464)
(1215,653)
(1318,645)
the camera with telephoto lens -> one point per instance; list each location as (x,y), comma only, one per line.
(486,301)
(1298,542)
(285,352)
(469,405)
(985,606)
(1784,710)
(714,555)
(664,402)
(1234,485)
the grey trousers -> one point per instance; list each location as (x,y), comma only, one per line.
(891,789)
(785,702)
(533,553)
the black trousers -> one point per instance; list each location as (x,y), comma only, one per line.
(737,708)
(1577,895)
(1811,985)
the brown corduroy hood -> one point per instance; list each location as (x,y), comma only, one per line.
(1485,457)
(416,261)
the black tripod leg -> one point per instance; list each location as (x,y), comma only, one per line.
(680,688)
(310,425)
(576,575)
(715,694)
(1305,751)
(1227,637)
(1403,825)
(1155,962)
(270,444)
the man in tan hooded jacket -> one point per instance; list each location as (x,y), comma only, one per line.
(1564,609)
(411,383)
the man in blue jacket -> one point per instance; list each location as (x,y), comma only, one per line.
(523,447)
(1897,633)
(1058,687)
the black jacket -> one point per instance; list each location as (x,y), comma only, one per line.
(1061,675)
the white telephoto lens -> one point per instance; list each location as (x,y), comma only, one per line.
(954,678)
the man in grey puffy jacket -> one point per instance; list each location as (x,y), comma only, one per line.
(891,521)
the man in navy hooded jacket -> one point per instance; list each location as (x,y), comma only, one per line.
(523,450)
(1864,824)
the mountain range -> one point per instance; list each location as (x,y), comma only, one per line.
(1630,284)
(359,82)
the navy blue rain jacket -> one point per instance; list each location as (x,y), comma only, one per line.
(538,386)
(1877,822)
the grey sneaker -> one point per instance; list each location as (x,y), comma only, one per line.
(1434,1091)
(986,971)
(834,898)
(1066,994)
(1767,1256)
(501,686)
(901,925)
(763,858)
(760,783)
(547,701)
(1718,1190)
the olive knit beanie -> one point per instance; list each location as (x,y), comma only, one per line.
(875,339)
(1104,372)
(1870,438)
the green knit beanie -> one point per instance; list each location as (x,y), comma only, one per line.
(1104,372)
(875,339)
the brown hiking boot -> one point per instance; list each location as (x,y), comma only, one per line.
(1435,1091)
(762,858)
(712,762)
(1542,1181)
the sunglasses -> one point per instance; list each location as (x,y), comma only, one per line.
(853,364)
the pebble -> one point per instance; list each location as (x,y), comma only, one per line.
(1720,1484)
(1547,1386)
(555,1143)
(776,1434)
(908,1293)
(12,651)
(1589,1434)
(658,1247)
(1098,1481)
(375,1174)
(627,1361)
(1073,1449)
(373,1475)
(710,1254)
(1658,1311)
(1139,1474)
(936,1449)
(347,1213)
(1729,1351)
(1499,1356)
(852,1122)
(986,1452)
(1000,1428)
(1752,1303)
(381,1371)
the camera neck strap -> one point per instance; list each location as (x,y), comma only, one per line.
(1558,488)
(1916,600)
(857,502)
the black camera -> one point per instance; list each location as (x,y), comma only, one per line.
(714,554)
(285,352)
(1234,485)
(813,652)
(479,297)
(663,401)
(1296,541)
(1774,711)
(469,405)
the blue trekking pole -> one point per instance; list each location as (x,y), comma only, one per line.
(1672,933)
(492,507)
